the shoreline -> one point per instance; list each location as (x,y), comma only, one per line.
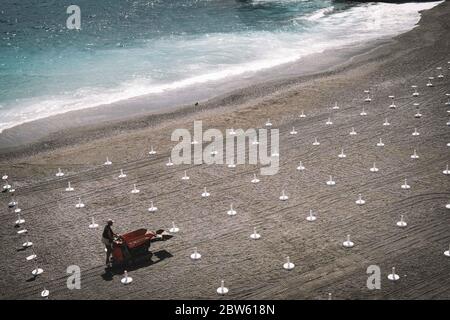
(222,93)
(213,94)
(253,269)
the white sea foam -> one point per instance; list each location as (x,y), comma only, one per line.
(239,53)
(316,15)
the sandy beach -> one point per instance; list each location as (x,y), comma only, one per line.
(252,269)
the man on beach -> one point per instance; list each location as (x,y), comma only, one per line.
(107,239)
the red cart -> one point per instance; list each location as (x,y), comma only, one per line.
(131,245)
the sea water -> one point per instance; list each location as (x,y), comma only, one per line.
(126,48)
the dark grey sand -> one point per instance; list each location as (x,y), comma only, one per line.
(253,269)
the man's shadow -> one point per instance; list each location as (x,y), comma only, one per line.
(136,263)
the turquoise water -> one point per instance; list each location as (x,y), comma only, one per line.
(129,48)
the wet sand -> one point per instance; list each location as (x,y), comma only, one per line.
(253,269)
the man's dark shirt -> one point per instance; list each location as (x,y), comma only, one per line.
(108,233)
